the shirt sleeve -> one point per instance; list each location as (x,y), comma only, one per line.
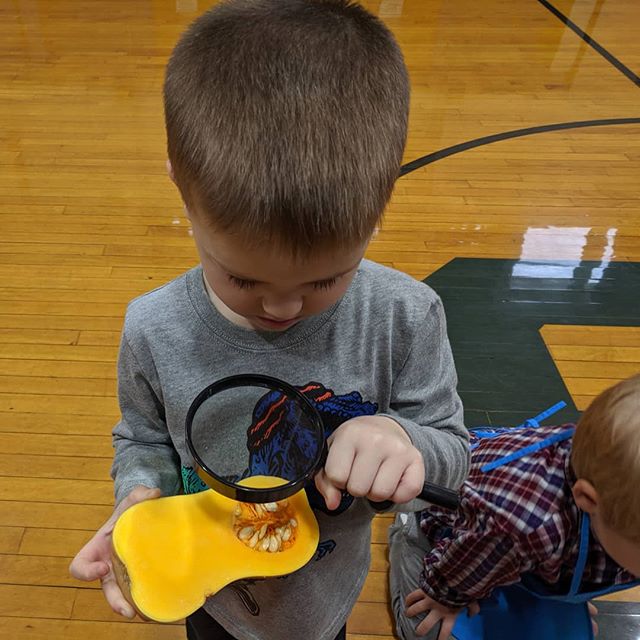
(426,404)
(467,565)
(144,452)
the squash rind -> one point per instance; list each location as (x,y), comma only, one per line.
(169,554)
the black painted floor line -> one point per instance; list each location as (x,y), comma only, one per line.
(607,55)
(506,135)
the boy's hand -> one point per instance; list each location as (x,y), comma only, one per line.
(373,457)
(593,612)
(93,561)
(419,602)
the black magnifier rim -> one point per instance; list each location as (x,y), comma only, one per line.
(231,489)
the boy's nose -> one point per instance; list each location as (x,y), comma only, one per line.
(282,309)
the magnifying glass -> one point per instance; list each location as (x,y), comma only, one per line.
(257,439)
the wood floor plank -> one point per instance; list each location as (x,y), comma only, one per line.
(629,595)
(370,618)
(90,604)
(380,530)
(58,386)
(44,322)
(45,444)
(37,628)
(39,308)
(35,601)
(590,386)
(63,543)
(44,571)
(58,352)
(379,557)
(43,466)
(39,336)
(43,515)
(11,539)
(595,353)
(594,336)
(376,588)
(19,294)
(581,369)
(57,368)
(53,404)
(55,490)
(62,424)
(103,338)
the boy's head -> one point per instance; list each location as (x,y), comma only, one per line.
(606,460)
(286,123)
(286,120)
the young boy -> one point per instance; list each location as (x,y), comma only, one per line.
(554,513)
(286,122)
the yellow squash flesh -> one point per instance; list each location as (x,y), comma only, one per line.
(171,553)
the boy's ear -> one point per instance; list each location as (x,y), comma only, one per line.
(170,171)
(173,179)
(586,496)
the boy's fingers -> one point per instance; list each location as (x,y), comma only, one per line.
(593,611)
(474,609)
(411,482)
(418,607)
(448,623)
(414,596)
(428,623)
(331,494)
(86,570)
(337,468)
(386,481)
(115,598)
(362,475)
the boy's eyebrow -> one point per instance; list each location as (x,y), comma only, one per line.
(241,277)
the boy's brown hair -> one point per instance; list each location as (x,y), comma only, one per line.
(606,452)
(286,120)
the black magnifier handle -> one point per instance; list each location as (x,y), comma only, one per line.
(432,493)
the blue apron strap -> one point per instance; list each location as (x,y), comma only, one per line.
(558,437)
(535,422)
(585,528)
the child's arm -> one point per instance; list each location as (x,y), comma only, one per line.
(468,566)
(144,452)
(426,404)
(388,456)
(461,570)
(145,465)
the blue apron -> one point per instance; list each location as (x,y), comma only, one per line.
(529,610)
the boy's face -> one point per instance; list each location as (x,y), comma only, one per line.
(271,290)
(625,552)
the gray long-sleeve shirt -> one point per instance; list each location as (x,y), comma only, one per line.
(384,345)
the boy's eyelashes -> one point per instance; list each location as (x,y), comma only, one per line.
(241,283)
(325,284)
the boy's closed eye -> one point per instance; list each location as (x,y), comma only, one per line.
(242,283)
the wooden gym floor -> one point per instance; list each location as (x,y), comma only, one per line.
(543,224)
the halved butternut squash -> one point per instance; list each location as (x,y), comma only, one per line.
(169,554)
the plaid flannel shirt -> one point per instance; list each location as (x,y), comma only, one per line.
(517,519)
